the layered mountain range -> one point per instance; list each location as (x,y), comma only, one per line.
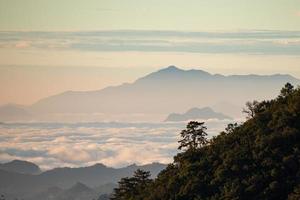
(63,183)
(165,91)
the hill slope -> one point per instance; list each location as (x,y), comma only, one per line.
(259,159)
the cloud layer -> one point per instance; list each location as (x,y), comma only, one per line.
(114,144)
(248,42)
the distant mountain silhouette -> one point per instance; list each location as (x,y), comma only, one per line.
(172,73)
(100,178)
(14,112)
(52,193)
(79,191)
(164,91)
(22,167)
(197,113)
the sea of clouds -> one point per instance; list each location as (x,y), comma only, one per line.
(114,144)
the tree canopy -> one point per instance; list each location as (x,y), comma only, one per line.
(194,136)
(132,188)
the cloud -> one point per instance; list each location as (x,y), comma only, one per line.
(80,144)
(69,154)
(247,42)
(22,44)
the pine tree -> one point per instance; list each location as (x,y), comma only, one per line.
(194,136)
(130,188)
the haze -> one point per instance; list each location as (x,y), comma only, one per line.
(48,47)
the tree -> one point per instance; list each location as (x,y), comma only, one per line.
(251,108)
(286,90)
(231,127)
(295,195)
(131,188)
(125,190)
(141,177)
(194,136)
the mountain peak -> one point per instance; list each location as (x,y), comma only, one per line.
(80,191)
(197,113)
(80,187)
(20,166)
(195,110)
(98,165)
(174,73)
(172,67)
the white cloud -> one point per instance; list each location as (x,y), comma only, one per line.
(247,42)
(22,44)
(69,154)
(57,145)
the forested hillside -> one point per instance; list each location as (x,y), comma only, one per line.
(259,159)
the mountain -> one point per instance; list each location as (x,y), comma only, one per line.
(197,113)
(93,176)
(11,112)
(258,159)
(162,92)
(106,188)
(22,167)
(99,177)
(79,191)
(50,194)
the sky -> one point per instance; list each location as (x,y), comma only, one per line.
(51,46)
(192,15)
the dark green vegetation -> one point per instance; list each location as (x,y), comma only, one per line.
(259,159)
(131,188)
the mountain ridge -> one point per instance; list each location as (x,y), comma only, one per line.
(163,91)
(20,166)
(94,176)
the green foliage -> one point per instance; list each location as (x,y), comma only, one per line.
(132,188)
(194,136)
(295,195)
(259,159)
(251,109)
(287,90)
